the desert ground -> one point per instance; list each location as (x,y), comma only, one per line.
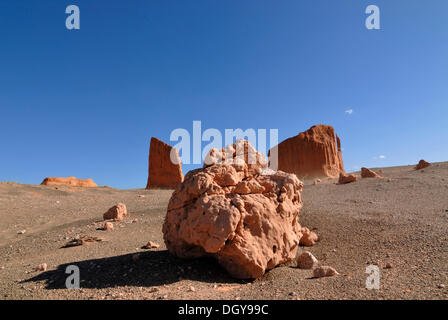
(401,220)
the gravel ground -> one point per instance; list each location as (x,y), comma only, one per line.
(401,220)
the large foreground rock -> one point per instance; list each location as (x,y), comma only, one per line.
(246,216)
(70,181)
(313,153)
(165,168)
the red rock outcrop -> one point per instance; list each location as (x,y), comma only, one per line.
(367,173)
(165,167)
(313,153)
(346,178)
(422,164)
(70,181)
(244,216)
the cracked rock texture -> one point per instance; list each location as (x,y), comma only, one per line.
(244,215)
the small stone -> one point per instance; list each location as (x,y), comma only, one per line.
(141,196)
(306,261)
(108,226)
(21,231)
(162,297)
(151,245)
(292,294)
(309,238)
(324,271)
(389,265)
(42,267)
(135,257)
(441,286)
(192,289)
(135,220)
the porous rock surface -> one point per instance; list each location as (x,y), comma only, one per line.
(244,215)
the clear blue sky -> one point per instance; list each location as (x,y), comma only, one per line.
(85,102)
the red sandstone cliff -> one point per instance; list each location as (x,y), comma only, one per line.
(313,153)
(163,173)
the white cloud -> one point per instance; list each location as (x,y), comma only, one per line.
(349,111)
(382,157)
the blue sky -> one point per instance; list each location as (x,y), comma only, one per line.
(85,102)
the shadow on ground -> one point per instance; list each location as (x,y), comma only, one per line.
(152,268)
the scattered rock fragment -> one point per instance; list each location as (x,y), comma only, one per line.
(117,212)
(422,164)
(42,267)
(21,231)
(151,245)
(306,260)
(135,220)
(316,181)
(192,289)
(367,173)
(346,178)
(135,257)
(108,226)
(388,265)
(324,271)
(83,240)
(309,238)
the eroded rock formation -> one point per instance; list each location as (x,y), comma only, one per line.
(313,153)
(165,168)
(70,181)
(244,215)
(422,164)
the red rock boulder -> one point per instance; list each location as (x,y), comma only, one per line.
(165,168)
(422,164)
(245,217)
(70,181)
(117,212)
(313,153)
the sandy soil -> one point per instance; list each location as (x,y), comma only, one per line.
(401,219)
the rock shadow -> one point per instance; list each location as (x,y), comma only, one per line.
(143,269)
